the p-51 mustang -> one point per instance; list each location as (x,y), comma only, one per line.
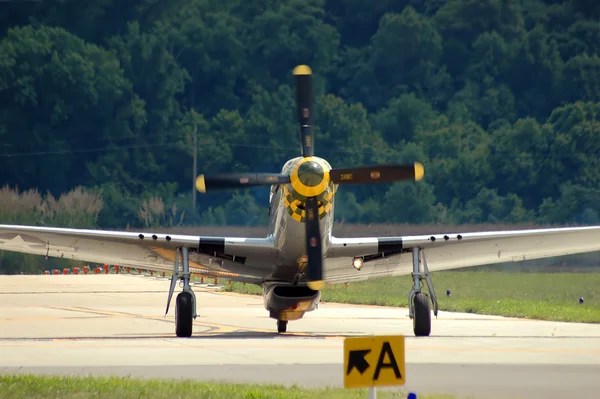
(300,255)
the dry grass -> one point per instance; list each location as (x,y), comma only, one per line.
(77,208)
(152,214)
(18,207)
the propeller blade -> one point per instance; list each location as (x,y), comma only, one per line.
(304,108)
(314,250)
(239,180)
(377,174)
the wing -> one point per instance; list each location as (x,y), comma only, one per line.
(236,258)
(385,256)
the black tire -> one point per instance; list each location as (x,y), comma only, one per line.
(281,326)
(184,315)
(422,319)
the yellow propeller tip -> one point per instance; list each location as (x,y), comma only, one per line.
(302,70)
(419,171)
(200,185)
(316,285)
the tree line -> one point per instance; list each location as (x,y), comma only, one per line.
(499,99)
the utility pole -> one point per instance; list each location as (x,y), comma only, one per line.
(195,139)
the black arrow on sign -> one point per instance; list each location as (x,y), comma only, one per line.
(357,360)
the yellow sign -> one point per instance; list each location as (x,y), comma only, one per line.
(374,361)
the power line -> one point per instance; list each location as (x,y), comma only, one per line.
(85,150)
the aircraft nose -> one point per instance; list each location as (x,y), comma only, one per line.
(311,174)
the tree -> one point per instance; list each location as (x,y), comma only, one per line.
(405,54)
(498,98)
(64,102)
(400,119)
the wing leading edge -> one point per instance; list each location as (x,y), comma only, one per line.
(458,250)
(237,258)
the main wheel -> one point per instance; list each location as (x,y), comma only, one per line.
(422,319)
(281,326)
(184,315)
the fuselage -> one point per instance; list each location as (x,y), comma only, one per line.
(287,213)
(286,297)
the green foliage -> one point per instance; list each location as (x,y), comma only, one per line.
(498,98)
(400,119)
(60,96)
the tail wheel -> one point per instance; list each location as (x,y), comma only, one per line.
(281,326)
(422,316)
(184,315)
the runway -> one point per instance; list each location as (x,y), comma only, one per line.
(115,325)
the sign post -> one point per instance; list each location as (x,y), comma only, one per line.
(374,361)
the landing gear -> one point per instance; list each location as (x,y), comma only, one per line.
(418,302)
(281,326)
(184,314)
(422,315)
(185,304)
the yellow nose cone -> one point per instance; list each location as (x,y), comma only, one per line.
(309,184)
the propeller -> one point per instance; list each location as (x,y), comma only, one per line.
(310,177)
(314,249)
(239,180)
(302,74)
(377,174)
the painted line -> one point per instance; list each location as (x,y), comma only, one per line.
(280,344)
(215,327)
(504,349)
(235,294)
(170,345)
(93,311)
(26,319)
(84,292)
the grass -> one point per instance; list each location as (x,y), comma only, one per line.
(544,296)
(38,387)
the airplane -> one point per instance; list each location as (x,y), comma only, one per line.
(300,256)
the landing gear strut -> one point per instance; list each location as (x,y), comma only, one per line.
(281,326)
(185,304)
(418,302)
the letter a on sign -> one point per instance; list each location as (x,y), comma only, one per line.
(374,361)
(386,350)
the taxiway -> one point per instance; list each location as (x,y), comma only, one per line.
(115,325)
